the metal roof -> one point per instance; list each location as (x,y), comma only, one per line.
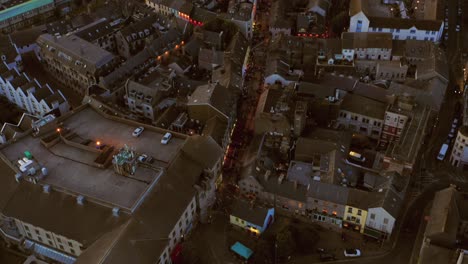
(23,8)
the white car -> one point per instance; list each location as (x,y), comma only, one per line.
(454,123)
(167,137)
(457,28)
(137,132)
(352,252)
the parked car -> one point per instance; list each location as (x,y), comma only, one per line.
(137,132)
(357,156)
(457,28)
(442,152)
(167,137)
(352,252)
(454,122)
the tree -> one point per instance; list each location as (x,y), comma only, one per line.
(263,252)
(340,21)
(285,245)
(305,239)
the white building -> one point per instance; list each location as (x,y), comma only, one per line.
(459,155)
(30,95)
(386,205)
(366,45)
(364,19)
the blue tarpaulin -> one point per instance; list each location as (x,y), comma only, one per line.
(242,250)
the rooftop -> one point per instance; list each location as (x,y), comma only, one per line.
(400,23)
(363,106)
(71,168)
(92,55)
(23,8)
(355,40)
(250,213)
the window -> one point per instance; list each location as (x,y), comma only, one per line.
(359,212)
(359,26)
(186,214)
(191,206)
(180,224)
(427,32)
(372,216)
(397,37)
(385,221)
(398,30)
(37,231)
(40,239)
(70,244)
(26,227)
(380,29)
(433,33)
(412,31)
(350,210)
(48,236)
(72,251)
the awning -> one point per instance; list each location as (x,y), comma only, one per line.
(53,254)
(242,250)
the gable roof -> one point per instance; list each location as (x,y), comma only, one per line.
(252,214)
(328,192)
(400,23)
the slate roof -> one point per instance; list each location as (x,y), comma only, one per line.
(214,95)
(363,106)
(252,214)
(400,23)
(328,192)
(355,40)
(7,49)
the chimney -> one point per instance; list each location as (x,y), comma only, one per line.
(267,175)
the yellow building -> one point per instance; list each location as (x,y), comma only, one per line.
(355,214)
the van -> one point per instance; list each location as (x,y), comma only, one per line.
(442,152)
(357,156)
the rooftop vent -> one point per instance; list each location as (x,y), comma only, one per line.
(80,199)
(115,211)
